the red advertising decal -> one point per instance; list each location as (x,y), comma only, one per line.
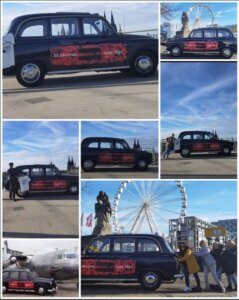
(106,267)
(88,54)
(201,46)
(206,147)
(28,285)
(47,184)
(109,158)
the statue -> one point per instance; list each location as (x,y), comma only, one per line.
(103,214)
(184,19)
(184,32)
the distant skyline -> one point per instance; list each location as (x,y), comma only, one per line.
(225,13)
(199,96)
(40,142)
(144,131)
(126,14)
(208,200)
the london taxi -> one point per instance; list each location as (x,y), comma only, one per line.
(58,43)
(143,258)
(23,280)
(210,40)
(108,151)
(201,141)
(45,178)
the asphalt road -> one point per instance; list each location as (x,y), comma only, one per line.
(64,290)
(199,166)
(135,291)
(48,215)
(120,172)
(109,95)
(166,55)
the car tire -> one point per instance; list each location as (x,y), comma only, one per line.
(150,280)
(30,74)
(185,152)
(144,64)
(73,189)
(142,164)
(176,51)
(41,290)
(88,165)
(4,289)
(226,151)
(226,52)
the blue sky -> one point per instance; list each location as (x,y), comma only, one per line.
(127,14)
(40,143)
(146,132)
(198,96)
(209,200)
(224,13)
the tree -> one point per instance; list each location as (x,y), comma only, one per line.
(167,10)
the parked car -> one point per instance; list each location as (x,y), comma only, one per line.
(45,178)
(201,141)
(209,40)
(57,43)
(23,280)
(107,150)
(143,258)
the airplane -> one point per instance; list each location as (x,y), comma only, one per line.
(59,264)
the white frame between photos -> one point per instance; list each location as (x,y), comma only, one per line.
(92,120)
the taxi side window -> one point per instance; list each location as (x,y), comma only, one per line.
(96,26)
(99,246)
(223,33)
(36,172)
(197,136)
(24,276)
(106,145)
(14,276)
(51,172)
(93,145)
(124,245)
(187,137)
(34,28)
(64,27)
(119,146)
(210,33)
(148,245)
(196,34)
(5,275)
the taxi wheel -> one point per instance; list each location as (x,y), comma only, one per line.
(175,51)
(150,280)
(226,151)
(4,289)
(142,164)
(41,290)
(185,152)
(144,64)
(226,52)
(73,189)
(88,165)
(30,74)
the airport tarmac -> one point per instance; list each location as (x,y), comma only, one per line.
(134,290)
(120,172)
(166,55)
(199,166)
(64,290)
(108,95)
(42,215)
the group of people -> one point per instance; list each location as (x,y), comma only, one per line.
(169,146)
(216,260)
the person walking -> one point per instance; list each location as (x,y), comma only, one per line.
(13,174)
(210,265)
(229,264)
(216,252)
(190,266)
(168,147)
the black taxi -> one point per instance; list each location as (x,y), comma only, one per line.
(23,280)
(108,151)
(143,258)
(209,40)
(44,178)
(201,141)
(57,43)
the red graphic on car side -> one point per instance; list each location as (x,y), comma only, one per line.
(88,54)
(38,185)
(107,267)
(201,46)
(27,285)
(110,157)
(206,147)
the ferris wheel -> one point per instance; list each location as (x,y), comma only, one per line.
(147,206)
(200,15)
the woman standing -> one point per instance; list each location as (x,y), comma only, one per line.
(216,252)
(190,266)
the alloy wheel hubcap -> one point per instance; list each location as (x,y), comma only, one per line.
(227,52)
(176,50)
(88,164)
(144,64)
(30,73)
(150,279)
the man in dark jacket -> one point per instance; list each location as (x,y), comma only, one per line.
(13,174)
